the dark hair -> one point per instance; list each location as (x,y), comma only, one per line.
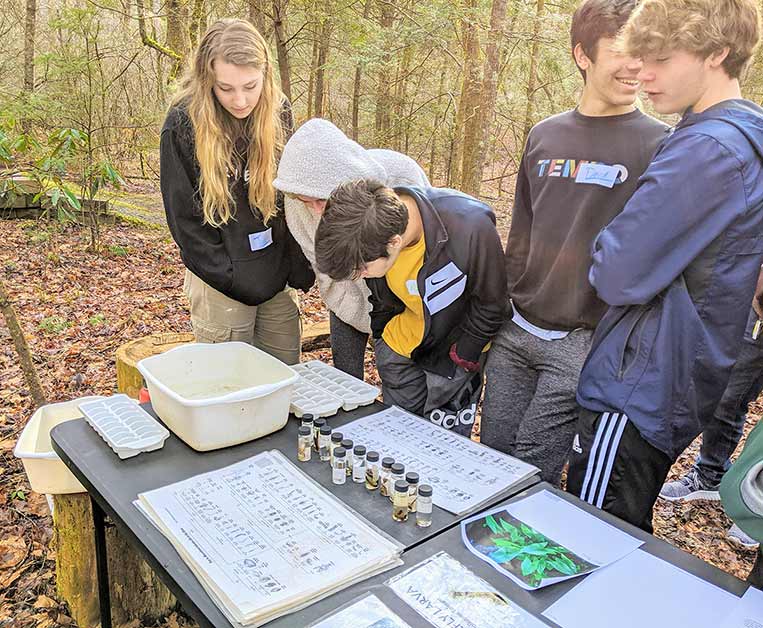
(360,219)
(595,19)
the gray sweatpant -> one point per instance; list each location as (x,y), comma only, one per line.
(529,410)
(449,402)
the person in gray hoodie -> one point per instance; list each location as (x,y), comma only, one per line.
(317,158)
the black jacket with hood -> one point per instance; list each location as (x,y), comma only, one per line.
(462,282)
(244,259)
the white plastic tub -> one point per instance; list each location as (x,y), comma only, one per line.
(46,473)
(218,395)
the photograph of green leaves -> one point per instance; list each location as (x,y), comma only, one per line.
(520,552)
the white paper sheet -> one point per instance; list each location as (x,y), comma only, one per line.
(447,594)
(265,536)
(464,474)
(368,612)
(747,612)
(641,591)
(543,539)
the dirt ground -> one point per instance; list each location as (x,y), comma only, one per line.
(76,309)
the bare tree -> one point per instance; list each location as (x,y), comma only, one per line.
(532,77)
(30,24)
(279,28)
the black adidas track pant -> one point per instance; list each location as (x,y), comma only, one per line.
(613,468)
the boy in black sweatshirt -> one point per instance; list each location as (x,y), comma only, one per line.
(578,170)
(432,260)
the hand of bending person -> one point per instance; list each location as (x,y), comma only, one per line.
(757,299)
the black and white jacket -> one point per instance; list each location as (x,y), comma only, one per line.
(462,282)
(245,259)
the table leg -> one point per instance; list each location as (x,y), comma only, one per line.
(101,565)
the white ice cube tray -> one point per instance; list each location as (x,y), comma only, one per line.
(323,389)
(126,427)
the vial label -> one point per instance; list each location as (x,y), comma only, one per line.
(338,475)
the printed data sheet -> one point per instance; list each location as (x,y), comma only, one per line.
(265,537)
(464,474)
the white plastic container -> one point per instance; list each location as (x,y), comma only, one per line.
(46,473)
(218,395)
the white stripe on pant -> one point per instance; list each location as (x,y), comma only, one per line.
(601,459)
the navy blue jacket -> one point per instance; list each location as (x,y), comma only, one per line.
(462,282)
(678,267)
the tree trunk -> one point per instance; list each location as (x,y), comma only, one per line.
(474,159)
(468,104)
(311,79)
(197,18)
(383,95)
(356,84)
(30,24)
(22,348)
(257,17)
(279,27)
(320,72)
(178,39)
(532,78)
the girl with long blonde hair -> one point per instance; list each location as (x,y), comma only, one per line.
(219,148)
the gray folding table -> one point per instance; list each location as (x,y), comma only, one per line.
(535,602)
(114,484)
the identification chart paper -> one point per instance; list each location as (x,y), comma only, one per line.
(543,539)
(368,612)
(642,590)
(448,595)
(264,538)
(464,474)
(747,612)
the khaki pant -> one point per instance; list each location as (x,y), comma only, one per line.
(273,326)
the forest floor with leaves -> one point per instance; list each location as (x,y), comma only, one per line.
(76,308)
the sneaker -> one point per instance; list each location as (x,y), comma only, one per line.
(688,488)
(738,537)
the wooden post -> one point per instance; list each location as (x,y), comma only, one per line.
(129,380)
(136,592)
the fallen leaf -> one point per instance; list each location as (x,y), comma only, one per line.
(12,551)
(43,601)
(7,444)
(35,504)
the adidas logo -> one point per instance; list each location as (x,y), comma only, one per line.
(449,421)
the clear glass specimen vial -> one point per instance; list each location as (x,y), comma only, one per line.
(372,470)
(359,464)
(304,443)
(424,506)
(324,442)
(397,472)
(317,425)
(384,473)
(413,489)
(347,445)
(400,501)
(338,474)
(336,441)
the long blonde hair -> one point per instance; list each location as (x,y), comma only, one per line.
(237,42)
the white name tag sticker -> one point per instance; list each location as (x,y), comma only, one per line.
(412,287)
(598,174)
(261,240)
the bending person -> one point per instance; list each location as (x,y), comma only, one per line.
(315,160)
(219,147)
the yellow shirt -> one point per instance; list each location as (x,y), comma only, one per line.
(406,330)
